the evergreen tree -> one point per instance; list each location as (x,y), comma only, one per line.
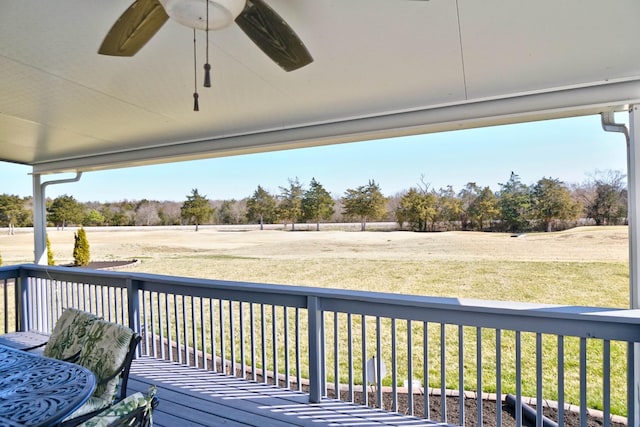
(552,201)
(290,207)
(418,208)
(196,209)
(226,213)
(448,207)
(484,207)
(317,203)
(365,203)
(467,197)
(261,206)
(65,210)
(12,212)
(50,259)
(81,255)
(515,204)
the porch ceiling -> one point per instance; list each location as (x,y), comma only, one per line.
(381,68)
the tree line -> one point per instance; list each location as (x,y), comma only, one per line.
(548,204)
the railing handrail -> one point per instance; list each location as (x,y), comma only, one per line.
(137,292)
(579,321)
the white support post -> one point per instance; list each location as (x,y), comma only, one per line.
(632,135)
(40,215)
(39,222)
(633,186)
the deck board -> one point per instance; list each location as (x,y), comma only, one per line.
(195,397)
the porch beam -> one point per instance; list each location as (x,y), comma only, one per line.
(516,108)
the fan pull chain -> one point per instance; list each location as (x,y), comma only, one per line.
(196,107)
(207,67)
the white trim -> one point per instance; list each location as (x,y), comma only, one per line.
(566,102)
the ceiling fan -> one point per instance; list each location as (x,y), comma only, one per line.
(139,23)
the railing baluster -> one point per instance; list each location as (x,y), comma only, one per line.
(498,378)
(298,352)
(425,369)
(518,408)
(323,354)
(285,314)
(583,382)
(443,374)
(274,343)
(151,329)
(194,332)
(232,338)
(169,328)
(479,374)
(5,305)
(145,322)
(336,356)
(410,367)
(212,332)
(539,400)
(560,380)
(161,324)
(203,334)
(263,346)
(242,343)
(461,396)
(378,363)
(350,355)
(185,338)
(254,366)
(365,392)
(394,367)
(221,325)
(178,333)
(606,382)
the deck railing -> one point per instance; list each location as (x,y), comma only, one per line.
(365,347)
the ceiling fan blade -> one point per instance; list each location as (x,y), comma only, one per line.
(273,35)
(134,28)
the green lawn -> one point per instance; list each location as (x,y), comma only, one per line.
(586,266)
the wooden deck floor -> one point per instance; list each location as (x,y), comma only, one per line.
(195,397)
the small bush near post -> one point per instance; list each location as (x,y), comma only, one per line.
(81,254)
(50,260)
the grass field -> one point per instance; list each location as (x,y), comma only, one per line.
(585,266)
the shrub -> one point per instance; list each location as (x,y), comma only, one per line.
(81,254)
(50,260)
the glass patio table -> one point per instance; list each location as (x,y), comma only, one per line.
(40,391)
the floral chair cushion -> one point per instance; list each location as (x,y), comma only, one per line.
(104,351)
(69,333)
(92,405)
(119,413)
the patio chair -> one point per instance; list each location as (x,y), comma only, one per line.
(135,410)
(108,351)
(65,340)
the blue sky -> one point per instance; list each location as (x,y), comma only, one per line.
(567,149)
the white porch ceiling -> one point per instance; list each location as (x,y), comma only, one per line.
(381,68)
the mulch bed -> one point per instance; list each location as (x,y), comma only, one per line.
(489,411)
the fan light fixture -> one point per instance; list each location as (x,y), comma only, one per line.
(191,13)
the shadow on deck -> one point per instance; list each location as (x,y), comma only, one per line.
(195,397)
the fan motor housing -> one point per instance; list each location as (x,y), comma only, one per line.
(193,13)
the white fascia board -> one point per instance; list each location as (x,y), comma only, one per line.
(552,104)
